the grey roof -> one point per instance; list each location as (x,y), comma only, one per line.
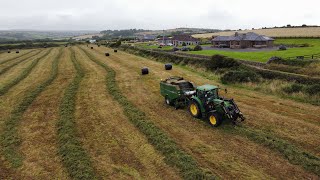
(250,36)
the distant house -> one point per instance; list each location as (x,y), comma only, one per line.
(146,38)
(92,41)
(178,40)
(246,40)
(165,40)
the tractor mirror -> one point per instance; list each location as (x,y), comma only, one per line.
(226,91)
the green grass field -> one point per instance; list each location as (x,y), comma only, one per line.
(264,56)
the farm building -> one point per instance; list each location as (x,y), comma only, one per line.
(146,38)
(246,40)
(178,40)
(165,40)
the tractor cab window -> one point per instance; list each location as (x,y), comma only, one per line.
(212,94)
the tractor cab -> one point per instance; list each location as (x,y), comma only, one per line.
(207,92)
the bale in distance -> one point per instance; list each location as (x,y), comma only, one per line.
(17,51)
(107,54)
(168,66)
(144,71)
(9,51)
(91,47)
(115,50)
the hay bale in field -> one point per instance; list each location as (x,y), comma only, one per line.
(282,48)
(107,54)
(17,51)
(9,51)
(91,47)
(168,66)
(115,50)
(99,45)
(144,71)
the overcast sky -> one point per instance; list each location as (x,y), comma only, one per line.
(151,14)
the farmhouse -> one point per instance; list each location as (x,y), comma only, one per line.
(178,40)
(246,40)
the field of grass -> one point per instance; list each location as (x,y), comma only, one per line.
(265,56)
(73,113)
(276,32)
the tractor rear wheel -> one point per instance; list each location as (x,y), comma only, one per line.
(214,119)
(194,109)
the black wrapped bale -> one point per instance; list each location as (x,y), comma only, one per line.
(98,45)
(168,66)
(91,47)
(144,71)
(9,51)
(17,52)
(107,54)
(115,50)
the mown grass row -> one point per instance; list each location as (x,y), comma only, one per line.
(174,155)
(289,151)
(6,87)
(10,139)
(2,62)
(16,63)
(74,157)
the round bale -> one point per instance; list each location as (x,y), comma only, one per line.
(168,66)
(115,50)
(99,45)
(9,51)
(107,54)
(144,71)
(17,51)
(91,47)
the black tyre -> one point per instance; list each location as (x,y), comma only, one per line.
(194,109)
(214,119)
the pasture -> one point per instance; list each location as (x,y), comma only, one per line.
(274,32)
(73,113)
(314,48)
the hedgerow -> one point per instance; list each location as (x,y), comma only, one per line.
(10,139)
(6,87)
(74,157)
(240,77)
(7,68)
(173,154)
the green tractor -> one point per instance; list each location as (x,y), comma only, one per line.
(202,101)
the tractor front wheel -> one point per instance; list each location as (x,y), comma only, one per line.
(194,109)
(214,119)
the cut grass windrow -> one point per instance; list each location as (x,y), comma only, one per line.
(16,63)
(2,62)
(174,155)
(292,153)
(6,87)
(74,157)
(10,140)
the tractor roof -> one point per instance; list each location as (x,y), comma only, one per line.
(207,87)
